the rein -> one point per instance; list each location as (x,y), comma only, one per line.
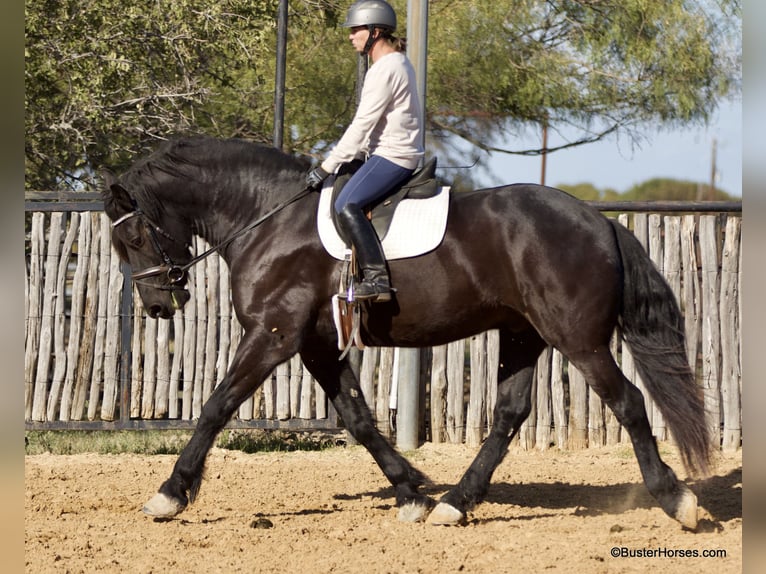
(176,273)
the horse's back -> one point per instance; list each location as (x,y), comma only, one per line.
(530,220)
(542,252)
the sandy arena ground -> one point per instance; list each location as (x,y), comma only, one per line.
(332,511)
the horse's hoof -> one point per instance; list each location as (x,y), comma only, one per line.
(446,514)
(413,512)
(686,511)
(162,506)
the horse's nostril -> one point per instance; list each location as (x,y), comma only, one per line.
(154,311)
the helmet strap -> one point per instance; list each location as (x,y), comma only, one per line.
(371,39)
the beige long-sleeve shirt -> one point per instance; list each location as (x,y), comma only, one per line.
(388,121)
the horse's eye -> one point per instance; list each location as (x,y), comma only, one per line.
(136,242)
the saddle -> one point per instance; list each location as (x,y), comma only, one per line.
(421,185)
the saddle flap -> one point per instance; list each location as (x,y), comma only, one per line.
(417,226)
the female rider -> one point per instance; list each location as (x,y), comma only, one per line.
(386,128)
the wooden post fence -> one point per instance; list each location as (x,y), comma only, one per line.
(93,359)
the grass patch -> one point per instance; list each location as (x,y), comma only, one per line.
(172,441)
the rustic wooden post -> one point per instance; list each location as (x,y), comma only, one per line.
(671,266)
(578,409)
(478,369)
(528,429)
(596,432)
(226,317)
(295,385)
(76,316)
(385,376)
(439,394)
(544,415)
(730,367)
(711,341)
(493,364)
(175,368)
(200,300)
(90,323)
(211,325)
(558,400)
(367,376)
(150,367)
(283,391)
(691,303)
(657,256)
(455,400)
(112,349)
(46,325)
(137,358)
(59,370)
(34,310)
(189,349)
(102,280)
(162,393)
(307,385)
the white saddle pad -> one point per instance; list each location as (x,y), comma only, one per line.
(417,226)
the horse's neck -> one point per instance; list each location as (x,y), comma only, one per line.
(232,207)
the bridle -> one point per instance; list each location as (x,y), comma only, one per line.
(175,273)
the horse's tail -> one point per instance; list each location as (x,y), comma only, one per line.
(653,327)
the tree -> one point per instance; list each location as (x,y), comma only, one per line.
(588,192)
(106,79)
(598,67)
(673,189)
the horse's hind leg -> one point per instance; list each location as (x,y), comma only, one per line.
(627,403)
(342,387)
(518,356)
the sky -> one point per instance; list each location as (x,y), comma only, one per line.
(683,154)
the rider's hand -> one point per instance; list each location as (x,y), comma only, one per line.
(315,177)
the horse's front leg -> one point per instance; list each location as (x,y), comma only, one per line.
(342,387)
(248,370)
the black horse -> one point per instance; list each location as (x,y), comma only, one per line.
(531,261)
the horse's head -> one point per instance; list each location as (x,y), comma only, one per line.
(157,251)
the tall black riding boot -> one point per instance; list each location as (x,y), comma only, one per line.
(375,285)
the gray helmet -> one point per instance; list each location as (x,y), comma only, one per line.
(371,13)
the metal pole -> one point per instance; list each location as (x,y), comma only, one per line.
(545,154)
(362,64)
(279,88)
(408,408)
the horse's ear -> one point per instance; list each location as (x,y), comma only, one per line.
(117,200)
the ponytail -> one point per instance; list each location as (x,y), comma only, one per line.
(399,44)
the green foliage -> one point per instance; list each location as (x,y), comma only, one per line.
(673,189)
(601,66)
(652,190)
(170,441)
(106,442)
(106,79)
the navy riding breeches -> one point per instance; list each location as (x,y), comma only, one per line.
(372,182)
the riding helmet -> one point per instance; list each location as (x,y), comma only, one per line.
(369,13)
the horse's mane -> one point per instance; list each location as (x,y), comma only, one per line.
(198,158)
